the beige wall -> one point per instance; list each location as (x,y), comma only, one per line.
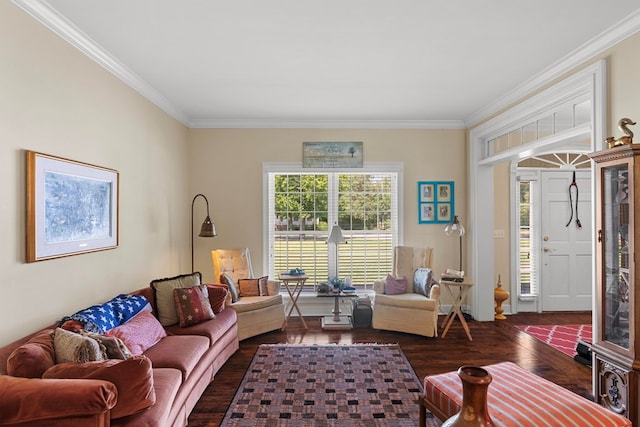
(227,167)
(57,101)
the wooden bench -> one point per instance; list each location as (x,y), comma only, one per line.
(518,398)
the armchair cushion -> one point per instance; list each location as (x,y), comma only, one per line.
(395,286)
(233,287)
(253,287)
(422,280)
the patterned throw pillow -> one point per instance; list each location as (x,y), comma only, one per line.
(127,306)
(192,305)
(253,287)
(139,333)
(114,347)
(422,281)
(217,297)
(163,294)
(395,286)
(97,318)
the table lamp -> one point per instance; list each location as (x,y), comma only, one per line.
(336,238)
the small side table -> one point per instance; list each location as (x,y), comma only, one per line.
(293,284)
(463,289)
(337,322)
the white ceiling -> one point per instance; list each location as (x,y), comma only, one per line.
(337,63)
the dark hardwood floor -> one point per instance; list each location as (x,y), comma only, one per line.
(493,342)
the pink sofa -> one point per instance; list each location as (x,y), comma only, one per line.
(182,364)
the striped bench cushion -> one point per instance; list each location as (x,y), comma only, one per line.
(519,398)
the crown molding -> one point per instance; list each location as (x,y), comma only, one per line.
(586,52)
(44,13)
(324,124)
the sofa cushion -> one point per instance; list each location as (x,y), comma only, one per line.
(132,377)
(71,347)
(182,352)
(233,287)
(212,329)
(256,303)
(217,297)
(192,305)
(139,333)
(163,295)
(253,287)
(395,286)
(32,358)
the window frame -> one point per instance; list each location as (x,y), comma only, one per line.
(294,168)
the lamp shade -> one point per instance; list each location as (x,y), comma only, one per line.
(454,228)
(336,235)
(207,229)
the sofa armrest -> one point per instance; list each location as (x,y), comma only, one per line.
(35,400)
(273,287)
(378,286)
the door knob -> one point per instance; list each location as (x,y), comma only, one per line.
(545,238)
(546,249)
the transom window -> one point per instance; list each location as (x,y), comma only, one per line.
(303,206)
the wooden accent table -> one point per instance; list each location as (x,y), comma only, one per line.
(293,284)
(455,310)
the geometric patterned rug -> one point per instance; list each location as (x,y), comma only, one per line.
(328,385)
(562,337)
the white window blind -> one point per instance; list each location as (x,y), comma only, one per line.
(302,207)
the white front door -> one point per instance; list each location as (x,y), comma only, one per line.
(566,250)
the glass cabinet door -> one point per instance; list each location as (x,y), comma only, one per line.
(615,218)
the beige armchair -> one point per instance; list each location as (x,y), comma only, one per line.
(409,312)
(256,314)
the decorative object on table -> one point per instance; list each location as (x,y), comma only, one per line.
(500,296)
(337,284)
(435,202)
(623,125)
(207,229)
(451,275)
(72,207)
(474,411)
(454,228)
(336,238)
(323,287)
(332,154)
(296,272)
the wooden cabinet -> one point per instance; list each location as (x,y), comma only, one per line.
(616,347)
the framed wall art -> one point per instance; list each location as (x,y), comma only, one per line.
(72,207)
(435,202)
(332,154)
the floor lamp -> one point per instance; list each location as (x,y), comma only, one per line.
(206,230)
(454,228)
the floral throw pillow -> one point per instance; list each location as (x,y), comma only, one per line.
(192,305)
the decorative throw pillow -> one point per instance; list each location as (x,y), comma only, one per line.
(422,281)
(233,288)
(192,305)
(163,294)
(252,287)
(217,297)
(74,348)
(133,378)
(32,358)
(114,347)
(395,286)
(139,333)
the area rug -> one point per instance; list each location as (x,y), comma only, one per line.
(328,385)
(562,337)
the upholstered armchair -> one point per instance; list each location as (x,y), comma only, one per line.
(416,309)
(257,302)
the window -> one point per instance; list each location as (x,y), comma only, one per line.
(527,283)
(302,207)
